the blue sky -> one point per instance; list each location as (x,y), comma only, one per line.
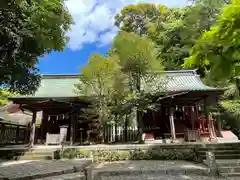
(92,32)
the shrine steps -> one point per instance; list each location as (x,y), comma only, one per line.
(227,158)
(229,167)
(38,154)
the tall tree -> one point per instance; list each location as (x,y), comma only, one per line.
(174,30)
(138,59)
(28,30)
(98,80)
(157,22)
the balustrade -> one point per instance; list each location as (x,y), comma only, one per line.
(13,134)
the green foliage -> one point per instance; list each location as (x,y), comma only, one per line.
(218,48)
(97,76)
(102,79)
(136,154)
(137,54)
(137,58)
(173,30)
(27,32)
(158,23)
(135,18)
(4,95)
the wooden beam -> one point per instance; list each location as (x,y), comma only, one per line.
(33,128)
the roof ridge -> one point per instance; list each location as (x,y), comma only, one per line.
(59,76)
(193,71)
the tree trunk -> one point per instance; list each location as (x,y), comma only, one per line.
(140,127)
(125,128)
(139,113)
(115,126)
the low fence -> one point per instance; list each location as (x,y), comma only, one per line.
(119,134)
(13,134)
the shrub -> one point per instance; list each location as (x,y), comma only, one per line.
(83,153)
(137,154)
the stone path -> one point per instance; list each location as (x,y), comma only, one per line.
(162,177)
(16,170)
(163,167)
(125,170)
(153,170)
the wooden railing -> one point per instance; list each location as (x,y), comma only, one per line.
(13,134)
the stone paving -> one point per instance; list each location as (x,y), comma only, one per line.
(125,170)
(161,177)
(164,167)
(16,170)
(153,170)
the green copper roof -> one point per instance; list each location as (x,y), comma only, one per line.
(176,81)
(57,86)
(170,81)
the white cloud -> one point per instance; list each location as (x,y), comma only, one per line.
(94,19)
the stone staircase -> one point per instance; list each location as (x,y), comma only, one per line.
(227,158)
(36,154)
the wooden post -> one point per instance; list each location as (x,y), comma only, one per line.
(209,126)
(172,125)
(17,134)
(206,113)
(33,128)
(72,129)
(219,122)
(44,116)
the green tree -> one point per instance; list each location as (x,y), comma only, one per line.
(4,95)
(28,30)
(135,18)
(218,48)
(101,80)
(138,59)
(174,30)
(159,23)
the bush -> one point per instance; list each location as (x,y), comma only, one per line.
(120,155)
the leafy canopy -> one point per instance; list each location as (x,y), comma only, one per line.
(28,30)
(137,54)
(102,79)
(218,48)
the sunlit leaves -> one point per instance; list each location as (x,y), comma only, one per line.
(4,95)
(219,47)
(137,54)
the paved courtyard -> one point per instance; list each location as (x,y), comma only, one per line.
(154,170)
(125,170)
(162,177)
(15,170)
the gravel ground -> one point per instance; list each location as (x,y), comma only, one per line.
(161,177)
